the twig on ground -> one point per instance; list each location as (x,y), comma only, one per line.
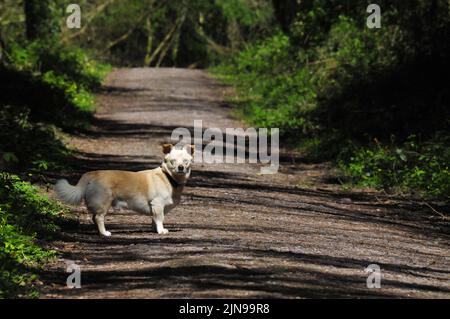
(435,211)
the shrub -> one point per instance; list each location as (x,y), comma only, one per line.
(25,215)
(29,146)
(75,94)
(33,212)
(72,63)
(330,83)
(19,254)
(54,81)
(413,165)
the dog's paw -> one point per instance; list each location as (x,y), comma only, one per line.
(106,234)
(163,231)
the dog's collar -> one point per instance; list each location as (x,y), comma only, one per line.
(172,180)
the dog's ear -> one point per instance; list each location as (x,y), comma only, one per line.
(166,148)
(190,149)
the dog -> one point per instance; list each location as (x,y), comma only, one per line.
(155,191)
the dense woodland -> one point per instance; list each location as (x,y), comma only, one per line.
(373,102)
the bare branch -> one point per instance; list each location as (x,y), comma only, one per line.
(211,43)
(162,44)
(173,36)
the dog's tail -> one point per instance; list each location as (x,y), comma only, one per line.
(71,194)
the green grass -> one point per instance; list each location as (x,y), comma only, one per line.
(25,216)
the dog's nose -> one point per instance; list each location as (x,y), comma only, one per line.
(180,167)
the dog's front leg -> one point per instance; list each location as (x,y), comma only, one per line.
(158,219)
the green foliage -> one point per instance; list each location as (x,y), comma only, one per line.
(55,82)
(67,67)
(248,14)
(329,82)
(44,83)
(74,93)
(266,78)
(41,18)
(412,165)
(27,145)
(24,215)
(34,212)
(17,253)
(191,33)
(68,61)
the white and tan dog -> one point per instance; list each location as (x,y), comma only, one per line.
(155,191)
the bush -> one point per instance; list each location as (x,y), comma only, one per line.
(75,94)
(25,215)
(44,83)
(19,254)
(33,212)
(330,82)
(29,146)
(274,93)
(75,65)
(54,81)
(413,165)
(71,62)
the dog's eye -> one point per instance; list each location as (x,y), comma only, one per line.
(186,161)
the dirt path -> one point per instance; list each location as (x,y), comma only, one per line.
(237,233)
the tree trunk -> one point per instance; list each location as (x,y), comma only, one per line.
(41,19)
(2,48)
(285,12)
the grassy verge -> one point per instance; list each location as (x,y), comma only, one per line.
(56,83)
(25,216)
(46,89)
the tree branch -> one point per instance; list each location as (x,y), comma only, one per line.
(149,47)
(173,36)
(163,43)
(125,36)
(211,43)
(88,20)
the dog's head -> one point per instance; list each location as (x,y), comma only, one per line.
(178,160)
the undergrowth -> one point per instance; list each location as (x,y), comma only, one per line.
(25,216)
(374,101)
(47,88)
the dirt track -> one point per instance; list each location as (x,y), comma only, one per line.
(237,233)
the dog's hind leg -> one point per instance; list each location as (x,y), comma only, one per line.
(98,200)
(100,221)
(98,218)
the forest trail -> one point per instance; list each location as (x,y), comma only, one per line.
(237,233)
